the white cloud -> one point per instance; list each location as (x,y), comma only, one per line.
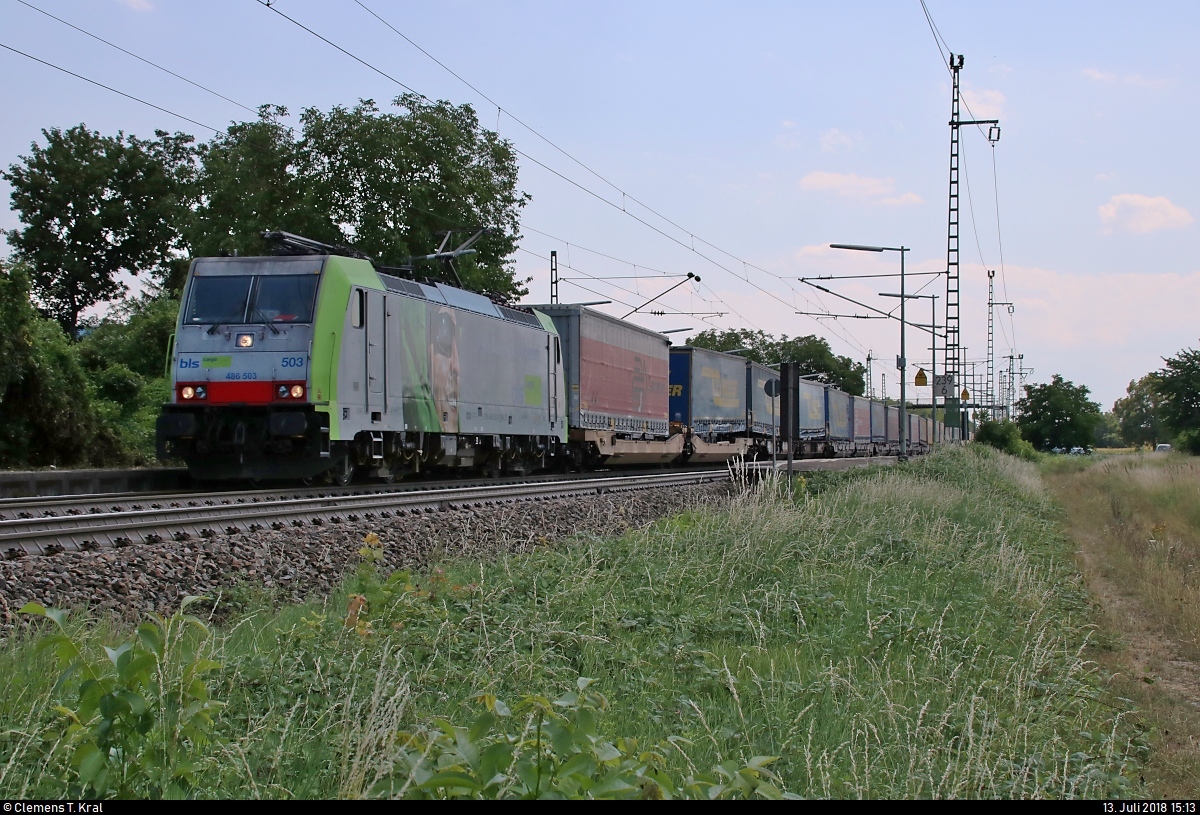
(1105,176)
(1132,80)
(833,140)
(789,139)
(984,104)
(1141,214)
(138,5)
(852,185)
(1099,76)
(904,200)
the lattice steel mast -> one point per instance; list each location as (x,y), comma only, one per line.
(954,362)
(952,277)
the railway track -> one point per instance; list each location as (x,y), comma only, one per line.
(73,523)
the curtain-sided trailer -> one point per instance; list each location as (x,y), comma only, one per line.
(763,411)
(617,376)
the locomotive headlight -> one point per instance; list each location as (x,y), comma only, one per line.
(200,392)
(245,341)
(297,391)
(188,393)
(283,391)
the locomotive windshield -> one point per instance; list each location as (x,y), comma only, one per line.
(245,299)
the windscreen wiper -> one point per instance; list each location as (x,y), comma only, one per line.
(225,319)
(256,311)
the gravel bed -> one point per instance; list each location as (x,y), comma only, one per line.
(310,562)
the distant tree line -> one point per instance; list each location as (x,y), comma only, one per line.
(96,209)
(1164,405)
(1161,407)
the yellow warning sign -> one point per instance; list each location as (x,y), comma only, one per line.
(966,395)
(921,380)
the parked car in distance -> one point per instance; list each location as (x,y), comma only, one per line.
(1163,448)
(1078,451)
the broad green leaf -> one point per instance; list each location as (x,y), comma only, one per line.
(137,705)
(501,709)
(605,751)
(581,763)
(445,780)
(528,773)
(611,786)
(67,712)
(88,762)
(152,637)
(481,726)
(768,791)
(585,724)
(758,762)
(33,608)
(115,654)
(192,599)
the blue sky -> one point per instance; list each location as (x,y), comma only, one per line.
(766,129)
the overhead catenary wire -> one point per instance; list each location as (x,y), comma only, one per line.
(139,58)
(391,78)
(1000,243)
(625,195)
(111,89)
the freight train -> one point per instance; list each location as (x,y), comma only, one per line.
(321,365)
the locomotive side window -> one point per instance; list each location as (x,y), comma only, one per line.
(218,300)
(358,308)
(284,299)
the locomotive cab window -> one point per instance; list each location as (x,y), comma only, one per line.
(218,300)
(284,299)
(358,308)
(246,299)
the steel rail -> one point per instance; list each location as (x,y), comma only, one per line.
(42,536)
(99,503)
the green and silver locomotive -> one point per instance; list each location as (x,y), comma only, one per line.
(321,365)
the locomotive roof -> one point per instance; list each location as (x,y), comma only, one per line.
(433,292)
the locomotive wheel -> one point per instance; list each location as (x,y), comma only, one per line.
(342,473)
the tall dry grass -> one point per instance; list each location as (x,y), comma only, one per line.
(1144,512)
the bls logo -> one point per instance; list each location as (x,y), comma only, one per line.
(189,363)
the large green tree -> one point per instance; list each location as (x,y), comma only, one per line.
(1058,414)
(394,181)
(1178,385)
(248,181)
(386,183)
(1140,413)
(93,206)
(811,352)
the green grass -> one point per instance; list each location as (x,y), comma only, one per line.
(914,631)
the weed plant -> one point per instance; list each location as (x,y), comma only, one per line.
(909,632)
